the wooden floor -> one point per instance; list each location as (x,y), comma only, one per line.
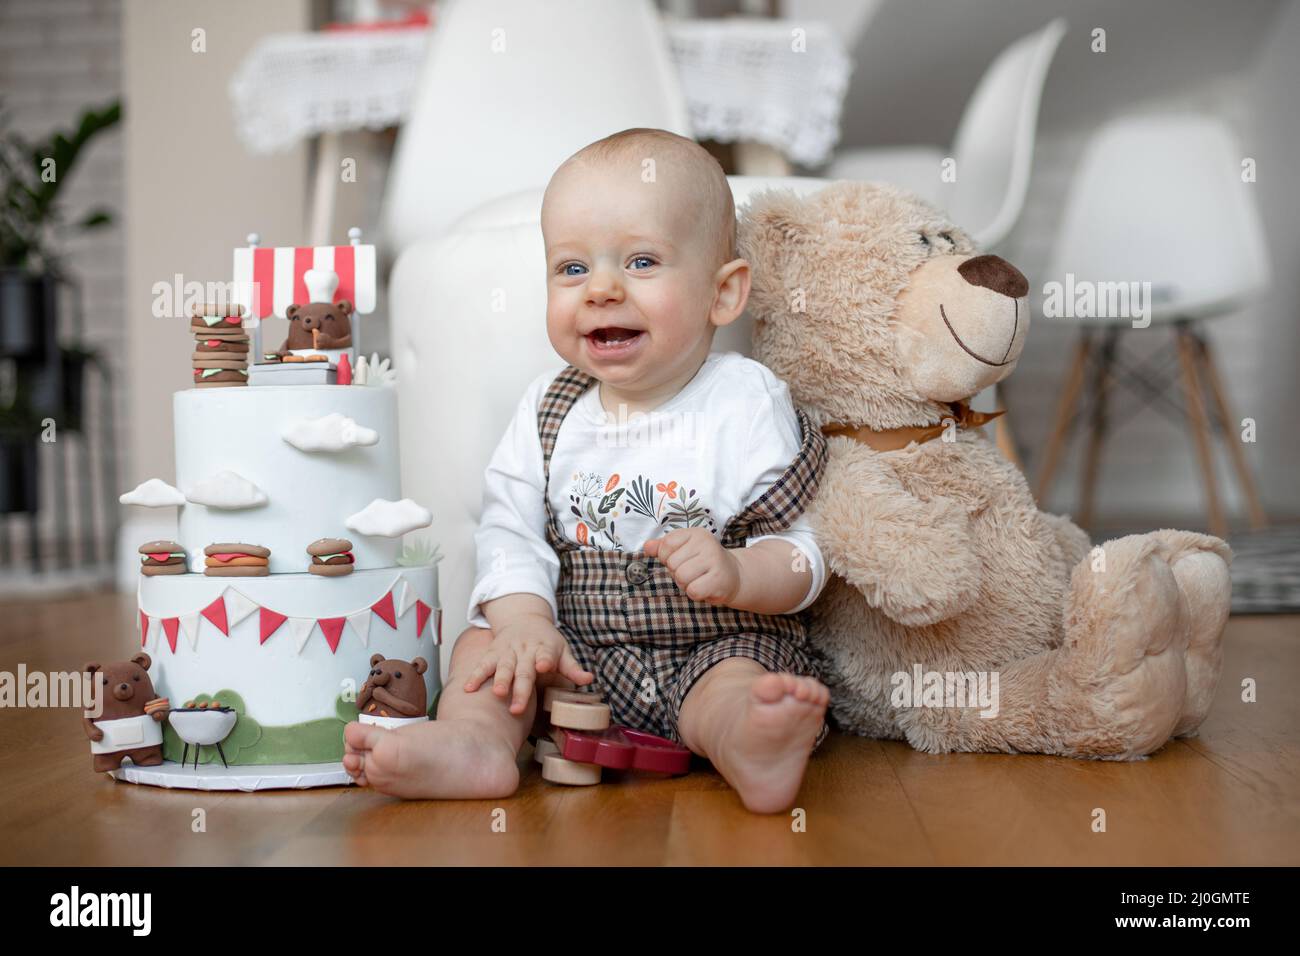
(1230,796)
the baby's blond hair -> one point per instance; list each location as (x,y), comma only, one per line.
(680,162)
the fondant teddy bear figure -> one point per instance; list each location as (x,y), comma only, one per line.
(328,320)
(883,320)
(130,723)
(394,694)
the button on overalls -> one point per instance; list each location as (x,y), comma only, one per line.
(628,622)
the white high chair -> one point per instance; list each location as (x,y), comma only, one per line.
(468,334)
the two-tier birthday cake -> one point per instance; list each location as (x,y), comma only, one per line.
(262,623)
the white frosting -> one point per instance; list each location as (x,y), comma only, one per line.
(310,496)
(389,519)
(280,683)
(154,493)
(226,490)
(333,432)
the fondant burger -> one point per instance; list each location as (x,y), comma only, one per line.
(213,320)
(162,557)
(219,376)
(236,561)
(228,349)
(331,557)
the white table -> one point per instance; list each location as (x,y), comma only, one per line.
(773,87)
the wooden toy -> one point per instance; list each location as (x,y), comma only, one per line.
(544,747)
(579,715)
(622,748)
(558,770)
(552,694)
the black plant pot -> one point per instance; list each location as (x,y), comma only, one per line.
(28,326)
(18,480)
(74,389)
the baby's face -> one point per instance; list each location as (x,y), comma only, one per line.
(631,276)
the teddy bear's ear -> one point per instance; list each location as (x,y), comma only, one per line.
(291,313)
(420,665)
(375,659)
(777,215)
(92,667)
(143,659)
(344,306)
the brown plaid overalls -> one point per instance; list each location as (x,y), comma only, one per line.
(627,621)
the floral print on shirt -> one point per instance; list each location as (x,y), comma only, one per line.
(596,502)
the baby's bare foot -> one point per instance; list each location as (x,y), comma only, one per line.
(764,753)
(441,759)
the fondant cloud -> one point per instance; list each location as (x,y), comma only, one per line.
(333,432)
(389,519)
(226,490)
(154,493)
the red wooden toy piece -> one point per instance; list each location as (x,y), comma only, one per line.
(622,748)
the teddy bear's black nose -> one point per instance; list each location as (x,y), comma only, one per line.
(994,272)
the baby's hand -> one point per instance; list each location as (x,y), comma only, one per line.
(700,565)
(525,647)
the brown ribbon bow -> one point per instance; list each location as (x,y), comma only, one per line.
(892,439)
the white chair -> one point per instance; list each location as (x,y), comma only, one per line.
(511,88)
(1159,200)
(469,333)
(993,149)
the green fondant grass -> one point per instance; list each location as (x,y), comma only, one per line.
(252,744)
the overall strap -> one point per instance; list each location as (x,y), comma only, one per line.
(560,397)
(778,507)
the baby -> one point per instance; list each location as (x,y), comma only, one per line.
(642,524)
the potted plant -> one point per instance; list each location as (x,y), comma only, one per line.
(32,222)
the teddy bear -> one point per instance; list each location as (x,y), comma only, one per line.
(394,691)
(130,722)
(960,617)
(330,320)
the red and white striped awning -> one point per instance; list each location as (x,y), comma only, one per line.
(269,280)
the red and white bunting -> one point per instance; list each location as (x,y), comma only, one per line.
(360,622)
(190,628)
(300,629)
(232,607)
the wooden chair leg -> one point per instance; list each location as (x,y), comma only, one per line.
(1200,429)
(1219,403)
(1064,416)
(1097,429)
(1002,436)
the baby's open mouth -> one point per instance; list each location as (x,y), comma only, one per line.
(612,338)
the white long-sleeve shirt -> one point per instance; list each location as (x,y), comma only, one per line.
(618,479)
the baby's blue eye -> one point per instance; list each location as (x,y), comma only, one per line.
(646,262)
(574,269)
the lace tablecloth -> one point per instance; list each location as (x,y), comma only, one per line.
(776,82)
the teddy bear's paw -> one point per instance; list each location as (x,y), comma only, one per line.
(1200,566)
(1122,679)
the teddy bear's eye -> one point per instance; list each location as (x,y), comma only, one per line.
(947,237)
(925,240)
(397,674)
(136,677)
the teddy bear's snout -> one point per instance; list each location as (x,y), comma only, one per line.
(123,691)
(994,273)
